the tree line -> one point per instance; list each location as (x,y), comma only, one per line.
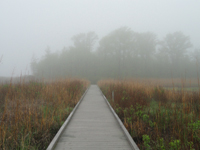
(122,53)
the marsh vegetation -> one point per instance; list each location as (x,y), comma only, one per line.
(31,113)
(156,118)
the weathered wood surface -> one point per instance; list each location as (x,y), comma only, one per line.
(93,127)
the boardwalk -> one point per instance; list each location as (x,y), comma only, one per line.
(93,127)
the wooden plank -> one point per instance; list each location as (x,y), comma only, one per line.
(62,128)
(93,127)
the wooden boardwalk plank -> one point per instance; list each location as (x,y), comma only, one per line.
(93,127)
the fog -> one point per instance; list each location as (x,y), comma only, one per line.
(29,28)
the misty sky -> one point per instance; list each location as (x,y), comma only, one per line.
(28,27)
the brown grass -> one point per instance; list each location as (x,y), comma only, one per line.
(167,82)
(31,113)
(170,119)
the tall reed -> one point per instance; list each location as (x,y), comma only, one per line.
(32,112)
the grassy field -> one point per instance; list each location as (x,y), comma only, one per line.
(32,112)
(156,117)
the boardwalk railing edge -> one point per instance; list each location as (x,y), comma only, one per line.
(60,131)
(130,139)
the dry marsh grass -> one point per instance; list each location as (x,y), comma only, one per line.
(168,82)
(31,113)
(156,118)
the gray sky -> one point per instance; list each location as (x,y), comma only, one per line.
(28,27)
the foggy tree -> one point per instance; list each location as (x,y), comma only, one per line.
(146,46)
(81,52)
(72,61)
(146,43)
(64,62)
(119,44)
(85,41)
(48,66)
(196,55)
(122,53)
(175,45)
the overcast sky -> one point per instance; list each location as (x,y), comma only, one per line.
(28,27)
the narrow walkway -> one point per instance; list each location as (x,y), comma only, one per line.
(93,127)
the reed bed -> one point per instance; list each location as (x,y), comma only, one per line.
(156,118)
(31,113)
